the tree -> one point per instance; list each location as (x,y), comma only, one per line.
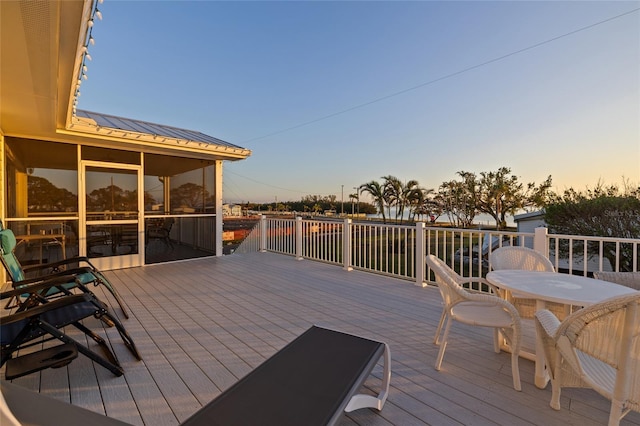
(189,195)
(500,193)
(392,189)
(411,196)
(605,211)
(459,199)
(354,199)
(376,191)
(415,200)
(428,205)
(111,198)
(44,196)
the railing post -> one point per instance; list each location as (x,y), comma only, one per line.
(346,245)
(263,233)
(540,240)
(420,254)
(299,238)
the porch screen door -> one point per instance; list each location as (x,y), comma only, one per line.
(111,232)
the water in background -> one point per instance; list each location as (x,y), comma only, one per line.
(480,220)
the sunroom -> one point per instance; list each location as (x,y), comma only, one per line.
(123,192)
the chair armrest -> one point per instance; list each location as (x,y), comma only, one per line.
(65,273)
(46,307)
(38,286)
(493,289)
(549,323)
(54,265)
(494,300)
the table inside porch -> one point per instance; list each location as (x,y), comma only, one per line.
(42,238)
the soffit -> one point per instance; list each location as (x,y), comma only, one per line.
(28,49)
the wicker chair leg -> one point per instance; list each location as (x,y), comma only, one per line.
(443,344)
(555,395)
(439,329)
(616,413)
(515,371)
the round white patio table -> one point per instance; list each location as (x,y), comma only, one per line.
(545,287)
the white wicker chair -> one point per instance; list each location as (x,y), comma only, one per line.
(521,258)
(596,347)
(524,258)
(627,279)
(485,310)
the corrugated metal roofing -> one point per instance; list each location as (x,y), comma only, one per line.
(128,124)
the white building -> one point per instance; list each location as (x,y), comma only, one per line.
(233,210)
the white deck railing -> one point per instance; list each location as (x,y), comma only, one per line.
(393,249)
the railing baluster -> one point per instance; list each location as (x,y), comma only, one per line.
(399,250)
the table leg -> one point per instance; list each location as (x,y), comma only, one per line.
(541,377)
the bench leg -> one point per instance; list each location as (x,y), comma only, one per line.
(367,401)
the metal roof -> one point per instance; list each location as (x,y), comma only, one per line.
(138,126)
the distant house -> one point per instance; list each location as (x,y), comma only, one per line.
(528,222)
(233,210)
(101,178)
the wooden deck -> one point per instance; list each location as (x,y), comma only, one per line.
(203,324)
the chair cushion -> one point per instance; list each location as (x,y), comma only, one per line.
(7,240)
(58,313)
(10,261)
(481,314)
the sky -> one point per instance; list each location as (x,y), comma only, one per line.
(329,95)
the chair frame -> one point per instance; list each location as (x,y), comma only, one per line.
(596,347)
(163,232)
(520,258)
(463,306)
(627,279)
(524,258)
(35,322)
(88,273)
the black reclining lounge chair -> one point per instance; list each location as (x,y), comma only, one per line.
(24,329)
(85,274)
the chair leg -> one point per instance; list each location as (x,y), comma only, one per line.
(114,292)
(555,395)
(443,344)
(99,340)
(515,371)
(439,329)
(496,340)
(554,373)
(513,339)
(110,364)
(616,413)
(128,341)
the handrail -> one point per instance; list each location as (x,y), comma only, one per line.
(399,250)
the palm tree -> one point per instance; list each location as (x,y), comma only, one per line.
(415,197)
(377,193)
(410,197)
(392,190)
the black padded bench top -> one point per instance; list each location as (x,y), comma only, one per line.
(308,382)
(311,381)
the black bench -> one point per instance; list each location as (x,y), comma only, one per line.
(311,381)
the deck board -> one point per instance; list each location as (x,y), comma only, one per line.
(201,325)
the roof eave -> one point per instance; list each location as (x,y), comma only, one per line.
(88,128)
